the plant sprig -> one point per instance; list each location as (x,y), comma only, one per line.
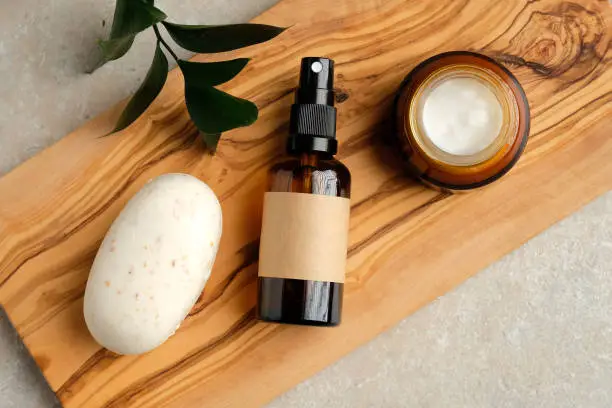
(211,110)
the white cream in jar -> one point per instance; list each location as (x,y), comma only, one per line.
(461,116)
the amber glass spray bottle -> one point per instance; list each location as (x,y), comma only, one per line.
(306,212)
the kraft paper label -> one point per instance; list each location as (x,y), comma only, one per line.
(304,236)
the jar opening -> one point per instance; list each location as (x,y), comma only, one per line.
(463,115)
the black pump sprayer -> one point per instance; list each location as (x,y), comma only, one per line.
(312,125)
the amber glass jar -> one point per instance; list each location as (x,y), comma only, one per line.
(455,169)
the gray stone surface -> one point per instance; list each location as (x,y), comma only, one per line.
(532,330)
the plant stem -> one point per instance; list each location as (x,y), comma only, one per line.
(164,43)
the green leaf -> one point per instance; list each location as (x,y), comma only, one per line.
(148,91)
(220,38)
(134,16)
(113,49)
(212,73)
(214,111)
(211,140)
(131,17)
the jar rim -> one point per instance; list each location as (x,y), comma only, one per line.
(508,104)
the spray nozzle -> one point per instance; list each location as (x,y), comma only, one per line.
(312,126)
(316,82)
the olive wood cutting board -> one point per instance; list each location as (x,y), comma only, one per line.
(408,244)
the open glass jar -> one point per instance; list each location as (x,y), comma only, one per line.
(462,120)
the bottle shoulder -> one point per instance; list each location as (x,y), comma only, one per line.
(326,176)
(295,164)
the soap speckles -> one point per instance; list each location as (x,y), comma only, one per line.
(107,284)
(158,264)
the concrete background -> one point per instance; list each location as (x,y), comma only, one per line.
(532,330)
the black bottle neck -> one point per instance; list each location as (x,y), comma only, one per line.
(308,141)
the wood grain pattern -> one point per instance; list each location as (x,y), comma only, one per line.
(408,244)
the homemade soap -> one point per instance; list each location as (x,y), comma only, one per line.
(153,264)
(461,116)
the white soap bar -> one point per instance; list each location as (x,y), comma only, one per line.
(153,264)
(461,116)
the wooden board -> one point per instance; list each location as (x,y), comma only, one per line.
(408,244)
